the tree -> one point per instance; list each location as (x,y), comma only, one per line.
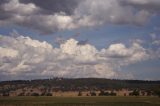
(79,93)
(135,93)
(87,94)
(157,92)
(43,94)
(5,94)
(103,93)
(34,94)
(21,94)
(48,94)
(149,92)
(113,94)
(93,93)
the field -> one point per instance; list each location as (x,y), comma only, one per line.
(79,101)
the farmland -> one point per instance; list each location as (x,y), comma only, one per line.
(79,101)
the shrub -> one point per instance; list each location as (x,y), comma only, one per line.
(113,94)
(21,94)
(93,93)
(102,93)
(34,94)
(48,94)
(134,93)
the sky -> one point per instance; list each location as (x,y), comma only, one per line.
(115,39)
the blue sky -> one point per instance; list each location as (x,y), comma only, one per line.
(125,33)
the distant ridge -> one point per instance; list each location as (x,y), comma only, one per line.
(76,83)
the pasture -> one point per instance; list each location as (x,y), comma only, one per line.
(79,101)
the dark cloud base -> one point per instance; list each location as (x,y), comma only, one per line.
(55,6)
(50,16)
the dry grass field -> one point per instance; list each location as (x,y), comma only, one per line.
(79,101)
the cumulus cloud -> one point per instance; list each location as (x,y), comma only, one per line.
(121,55)
(18,8)
(24,58)
(73,14)
(7,52)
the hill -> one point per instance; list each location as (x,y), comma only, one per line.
(79,87)
(83,83)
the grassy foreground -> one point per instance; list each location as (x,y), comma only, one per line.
(79,101)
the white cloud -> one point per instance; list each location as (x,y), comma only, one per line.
(34,43)
(8,52)
(155,39)
(119,55)
(118,50)
(19,8)
(88,13)
(93,13)
(80,52)
(22,58)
